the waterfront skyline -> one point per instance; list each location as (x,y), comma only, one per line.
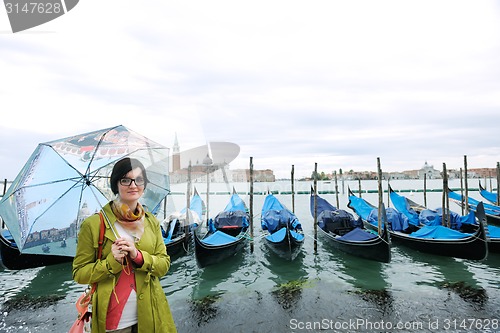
(331,82)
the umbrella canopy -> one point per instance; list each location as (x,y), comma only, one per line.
(66,180)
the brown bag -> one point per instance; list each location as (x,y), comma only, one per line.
(83,320)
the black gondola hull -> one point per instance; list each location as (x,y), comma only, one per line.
(15,260)
(474,247)
(178,246)
(212,254)
(288,249)
(378,249)
(494,245)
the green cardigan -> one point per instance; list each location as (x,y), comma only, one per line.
(153,310)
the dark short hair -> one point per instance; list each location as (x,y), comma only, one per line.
(121,168)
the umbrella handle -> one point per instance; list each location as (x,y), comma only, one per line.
(109,224)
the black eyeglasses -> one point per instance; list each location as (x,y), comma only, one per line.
(139,181)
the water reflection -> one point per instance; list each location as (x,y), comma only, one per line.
(289,277)
(358,272)
(46,286)
(283,270)
(451,274)
(211,279)
(210,288)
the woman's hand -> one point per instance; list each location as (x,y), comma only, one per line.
(118,252)
(125,247)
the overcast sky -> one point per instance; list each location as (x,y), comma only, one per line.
(338,83)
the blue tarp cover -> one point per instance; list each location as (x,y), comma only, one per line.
(490,196)
(428,216)
(360,206)
(488,208)
(332,219)
(339,217)
(402,206)
(357,234)
(494,231)
(434,217)
(296,235)
(280,235)
(196,205)
(438,232)
(231,219)
(321,204)
(219,238)
(396,220)
(235,203)
(276,216)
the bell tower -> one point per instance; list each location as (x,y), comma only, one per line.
(176,155)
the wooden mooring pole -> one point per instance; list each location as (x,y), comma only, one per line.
(251,204)
(188,206)
(293,188)
(466,186)
(425,189)
(462,189)
(336,189)
(498,183)
(380,199)
(315,182)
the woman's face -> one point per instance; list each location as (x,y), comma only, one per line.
(131,193)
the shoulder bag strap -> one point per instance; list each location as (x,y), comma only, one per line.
(102,229)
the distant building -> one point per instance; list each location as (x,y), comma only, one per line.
(218,171)
(429,171)
(243,175)
(176,155)
(482,173)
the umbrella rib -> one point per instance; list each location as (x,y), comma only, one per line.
(77,179)
(106,216)
(96,149)
(55,201)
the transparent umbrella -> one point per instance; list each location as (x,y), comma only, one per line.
(66,180)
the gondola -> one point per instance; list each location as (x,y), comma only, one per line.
(226,236)
(178,227)
(435,239)
(345,233)
(490,196)
(492,211)
(284,234)
(15,260)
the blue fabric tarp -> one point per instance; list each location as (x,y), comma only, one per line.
(280,235)
(330,220)
(428,216)
(401,204)
(276,216)
(488,208)
(321,204)
(231,219)
(434,218)
(494,231)
(235,204)
(360,206)
(490,196)
(438,232)
(358,235)
(219,238)
(396,220)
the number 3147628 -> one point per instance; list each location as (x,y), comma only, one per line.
(33,8)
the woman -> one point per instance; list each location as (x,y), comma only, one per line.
(128,297)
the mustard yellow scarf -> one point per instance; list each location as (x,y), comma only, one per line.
(132,222)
